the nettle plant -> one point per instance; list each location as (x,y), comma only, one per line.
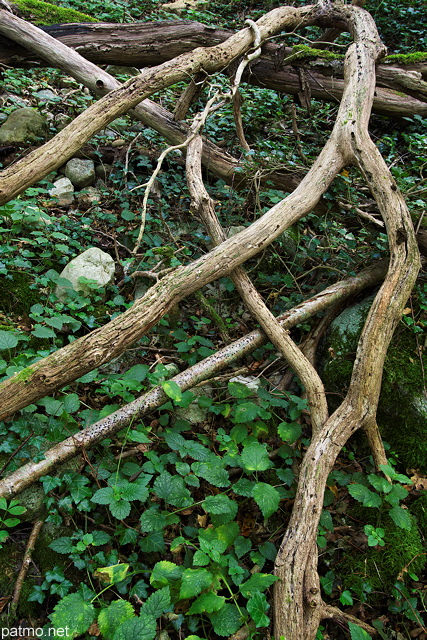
(185,537)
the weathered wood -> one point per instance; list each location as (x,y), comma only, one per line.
(401,91)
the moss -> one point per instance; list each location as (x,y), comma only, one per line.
(381,566)
(402,409)
(17,295)
(304,52)
(11,555)
(45,13)
(419,510)
(405,58)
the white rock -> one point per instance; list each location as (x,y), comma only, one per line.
(63,190)
(92,263)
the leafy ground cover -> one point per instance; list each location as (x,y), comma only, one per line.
(172,526)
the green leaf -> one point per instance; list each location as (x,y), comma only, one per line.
(207,603)
(71,402)
(172,489)
(156,604)
(111,618)
(362,494)
(53,407)
(153,542)
(172,390)
(396,494)
(257,607)
(40,331)
(401,518)
(244,487)
(193,582)
(289,431)
(152,520)
(221,505)
(227,620)
(240,390)
(7,340)
(242,546)
(134,491)
(138,372)
(73,612)
(255,457)
(246,412)
(326,520)
(257,582)
(346,598)
(138,436)
(103,496)
(379,483)
(357,633)
(62,545)
(142,628)
(120,509)
(226,533)
(165,572)
(266,497)
(113,574)
(212,471)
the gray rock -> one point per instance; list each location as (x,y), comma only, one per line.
(63,191)
(23,125)
(80,172)
(47,95)
(194,413)
(89,198)
(116,69)
(92,263)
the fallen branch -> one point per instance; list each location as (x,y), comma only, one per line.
(203,370)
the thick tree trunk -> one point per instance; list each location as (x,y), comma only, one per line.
(400,91)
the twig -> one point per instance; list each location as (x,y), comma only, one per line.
(24,567)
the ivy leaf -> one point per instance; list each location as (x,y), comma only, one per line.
(73,612)
(266,497)
(364,495)
(193,582)
(172,390)
(255,457)
(138,372)
(120,509)
(401,518)
(357,633)
(227,620)
(157,603)
(239,390)
(257,582)
(207,603)
(257,607)
(111,618)
(142,628)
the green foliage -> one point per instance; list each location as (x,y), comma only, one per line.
(41,12)
(13,508)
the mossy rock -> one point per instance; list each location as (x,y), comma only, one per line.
(44,13)
(402,409)
(11,555)
(381,566)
